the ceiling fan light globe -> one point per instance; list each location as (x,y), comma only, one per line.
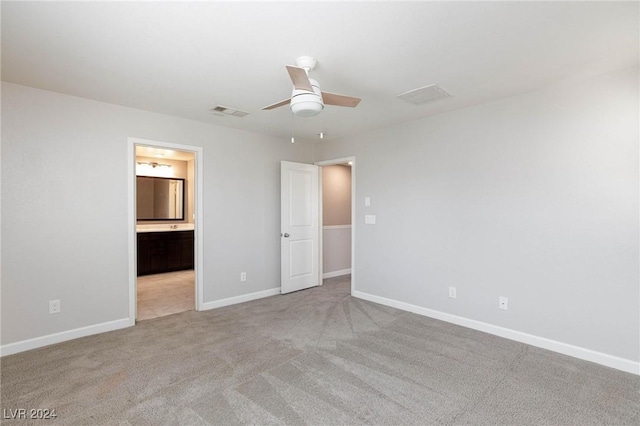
(307,108)
(305,103)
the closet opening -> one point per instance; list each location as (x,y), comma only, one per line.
(337,220)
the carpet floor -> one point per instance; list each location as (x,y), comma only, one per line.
(318,357)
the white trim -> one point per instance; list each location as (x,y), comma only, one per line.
(132,235)
(343,160)
(240,299)
(198,227)
(63,336)
(353,220)
(335,161)
(320,227)
(336,273)
(328,227)
(553,345)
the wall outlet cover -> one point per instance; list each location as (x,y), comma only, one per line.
(503,303)
(54,306)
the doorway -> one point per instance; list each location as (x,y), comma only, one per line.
(302,262)
(337,220)
(165,245)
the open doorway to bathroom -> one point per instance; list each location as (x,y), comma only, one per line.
(165,224)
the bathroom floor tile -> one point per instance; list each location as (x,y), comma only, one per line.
(165,294)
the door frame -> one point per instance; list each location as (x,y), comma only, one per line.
(131,219)
(353,215)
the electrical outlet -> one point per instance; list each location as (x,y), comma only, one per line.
(503,303)
(54,306)
(243,276)
(452,292)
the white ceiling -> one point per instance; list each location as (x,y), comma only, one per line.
(184,58)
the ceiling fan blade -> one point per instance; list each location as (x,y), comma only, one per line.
(277,104)
(340,100)
(299,78)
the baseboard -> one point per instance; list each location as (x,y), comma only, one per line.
(336,273)
(63,336)
(38,342)
(240,299)
(553,345)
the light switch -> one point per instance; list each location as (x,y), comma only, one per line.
(370,219)
(367,201)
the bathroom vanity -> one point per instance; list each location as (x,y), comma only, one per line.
(164,249)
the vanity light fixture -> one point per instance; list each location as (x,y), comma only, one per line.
(151,168)
(154,164)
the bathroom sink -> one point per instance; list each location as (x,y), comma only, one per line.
(165,227)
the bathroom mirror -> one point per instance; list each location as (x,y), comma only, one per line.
(160,198)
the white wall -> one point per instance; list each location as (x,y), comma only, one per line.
(64,213)
(534,197)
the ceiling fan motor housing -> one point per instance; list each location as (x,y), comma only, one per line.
(305,103)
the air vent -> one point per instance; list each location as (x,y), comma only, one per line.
(424,95)
(219,109)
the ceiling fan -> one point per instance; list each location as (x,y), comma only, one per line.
(306,98)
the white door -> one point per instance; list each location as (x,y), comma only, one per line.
(299,245)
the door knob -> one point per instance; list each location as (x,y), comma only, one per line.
(286,235)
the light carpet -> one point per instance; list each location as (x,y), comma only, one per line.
(318,357)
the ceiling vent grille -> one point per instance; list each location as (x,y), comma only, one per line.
(425,95)
(219,109)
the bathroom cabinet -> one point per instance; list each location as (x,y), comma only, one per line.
(160,252)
